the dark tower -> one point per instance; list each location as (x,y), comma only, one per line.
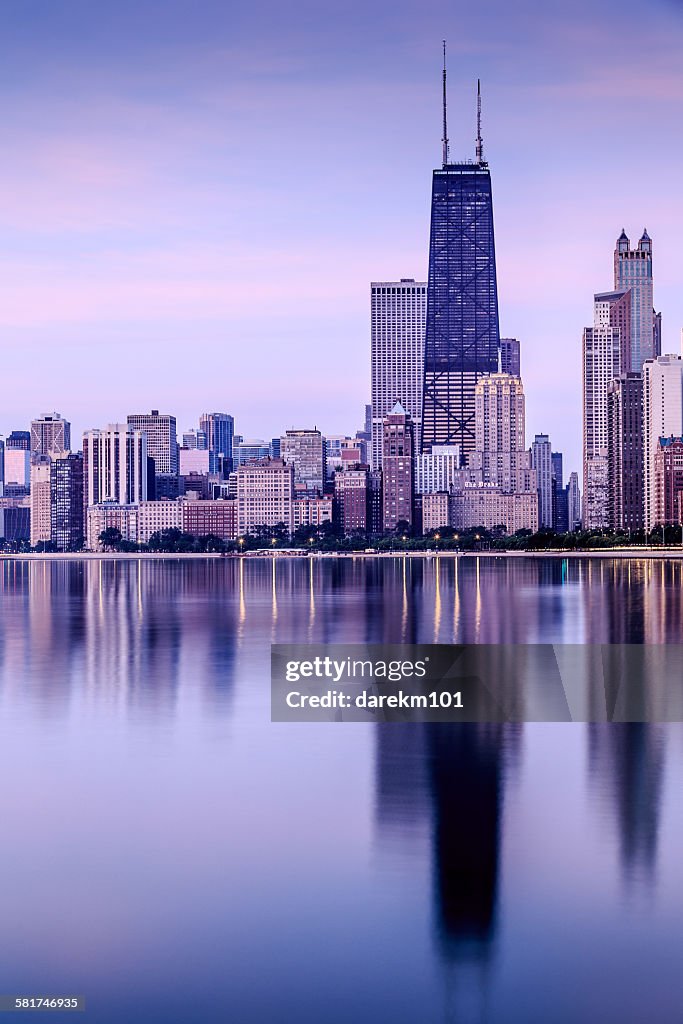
(462,335)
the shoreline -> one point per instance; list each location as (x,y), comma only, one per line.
(674,553)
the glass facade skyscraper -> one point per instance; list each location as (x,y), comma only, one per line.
(462,332)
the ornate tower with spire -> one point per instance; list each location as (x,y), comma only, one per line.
(462,334)
(633,271)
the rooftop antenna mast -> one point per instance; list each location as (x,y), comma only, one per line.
(480,144)
(444,139)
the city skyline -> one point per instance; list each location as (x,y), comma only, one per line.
(141,213)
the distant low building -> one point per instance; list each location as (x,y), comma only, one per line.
(435,511)
(489,507)
(265,495)
(312,511)
(668,478)
(111,515)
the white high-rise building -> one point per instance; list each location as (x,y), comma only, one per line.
(436,470)
(662,417)
(115,465)
(162,443)
(574,502)
(50,435)
(601,364)
(397,332)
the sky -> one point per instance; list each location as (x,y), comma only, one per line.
(195,196)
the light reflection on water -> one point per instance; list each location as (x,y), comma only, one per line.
(175,856)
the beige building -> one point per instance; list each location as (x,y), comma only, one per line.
(662,417)
(40,500)
(311,511)
(265,495)
(435,511)
(500,450)
(111,516)
(489,506)
(155,516)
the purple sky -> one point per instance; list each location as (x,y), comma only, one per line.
(194,197)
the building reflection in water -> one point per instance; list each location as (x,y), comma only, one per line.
(626,772)
(439,791)
(635,603)
(133,634)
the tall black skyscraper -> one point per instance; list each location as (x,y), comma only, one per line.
(462,334)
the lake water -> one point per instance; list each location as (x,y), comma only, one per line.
(173,856)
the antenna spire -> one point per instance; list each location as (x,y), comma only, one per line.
(480,144)
(444,139)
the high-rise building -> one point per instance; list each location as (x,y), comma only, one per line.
(249,449)
(305,451)
(436,470)
(613,309)
(601,364)
(668,480)
(462,334)
(509,356)
(574,501)
(115,465)
(560,502)
(365,433)
(499,430)
(40,500)
(50,434)
(2,466)
(498,487)
(265,495)
(66,501)
(557,459)
(542,463)
(633,270)
(19,440)
(397,338)
(352,498)
(397,468)
(662,417)
(219,429)
(333,453)
(625,451)
(17,470)
(162,444)
(195,439)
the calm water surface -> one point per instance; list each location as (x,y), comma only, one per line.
(172,855)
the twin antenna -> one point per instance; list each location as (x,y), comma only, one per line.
(479,149)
